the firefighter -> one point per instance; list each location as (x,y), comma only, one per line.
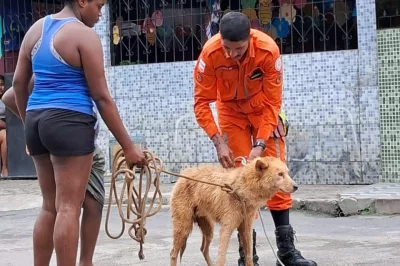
(241,70)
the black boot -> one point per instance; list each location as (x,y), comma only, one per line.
(241,252)
(287,253)
(255,256)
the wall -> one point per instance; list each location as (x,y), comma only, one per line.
(330,98)
(389,83)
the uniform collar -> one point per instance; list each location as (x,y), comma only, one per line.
(252,50)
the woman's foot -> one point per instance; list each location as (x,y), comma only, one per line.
(86,264)
(4,172)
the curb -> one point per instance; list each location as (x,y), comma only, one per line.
(368,206)
(344,207)
(335,207)
(326,206)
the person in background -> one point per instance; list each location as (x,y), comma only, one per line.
(241,70)
(3,130)
(59,120)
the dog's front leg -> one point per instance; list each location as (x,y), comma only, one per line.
(224,236)
(246,241)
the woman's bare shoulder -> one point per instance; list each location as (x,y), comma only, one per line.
(37,26)
(33,34)
(81,32)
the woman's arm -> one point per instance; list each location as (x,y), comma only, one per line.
(9,101)
(23,72)
(22,76)
(91,53)
(9,98)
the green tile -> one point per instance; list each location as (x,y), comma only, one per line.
(389,74)
(389,98)
(388,46)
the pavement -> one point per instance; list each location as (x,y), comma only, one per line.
(335,200)
(371,238)
(330,241)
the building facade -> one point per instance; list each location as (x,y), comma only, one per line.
(341,69)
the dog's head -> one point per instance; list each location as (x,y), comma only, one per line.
(271,175)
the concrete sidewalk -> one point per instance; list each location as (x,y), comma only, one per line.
(336,200)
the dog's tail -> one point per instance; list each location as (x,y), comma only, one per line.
(181,251)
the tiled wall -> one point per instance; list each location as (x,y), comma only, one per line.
(389,85)
(331,100)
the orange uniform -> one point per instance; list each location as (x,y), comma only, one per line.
(248,97)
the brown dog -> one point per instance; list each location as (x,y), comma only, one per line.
(206,205)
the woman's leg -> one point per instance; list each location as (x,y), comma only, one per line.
(69,138)
(3,150)
(44,225)
(71,178)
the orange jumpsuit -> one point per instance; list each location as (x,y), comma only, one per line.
(248,98)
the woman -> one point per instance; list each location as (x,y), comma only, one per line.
(94,199)
(3,133)
(59,120)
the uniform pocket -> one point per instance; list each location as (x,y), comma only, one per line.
(254,81)
(227,82)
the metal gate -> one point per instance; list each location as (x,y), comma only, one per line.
(16,17)
(20,165)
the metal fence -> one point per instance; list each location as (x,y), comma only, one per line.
(16,17)
(387,14)
(153,31)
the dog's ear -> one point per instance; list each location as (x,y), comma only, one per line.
(261,166)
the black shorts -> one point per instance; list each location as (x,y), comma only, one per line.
(59,132)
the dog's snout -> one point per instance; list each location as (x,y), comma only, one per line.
(295,187)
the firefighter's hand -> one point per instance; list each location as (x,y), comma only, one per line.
(225,156)
(281,130)
(256,152)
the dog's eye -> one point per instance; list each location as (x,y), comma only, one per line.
(280,174)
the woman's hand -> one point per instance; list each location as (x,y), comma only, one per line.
(134,156)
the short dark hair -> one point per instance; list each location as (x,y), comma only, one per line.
(2,78)
(235,27)
(69,2)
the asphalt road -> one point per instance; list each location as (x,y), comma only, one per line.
(355,241)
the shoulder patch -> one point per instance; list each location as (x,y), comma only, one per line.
(278,64)
(202,66)
(199,77)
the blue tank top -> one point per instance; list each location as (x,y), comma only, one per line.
(57,84)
